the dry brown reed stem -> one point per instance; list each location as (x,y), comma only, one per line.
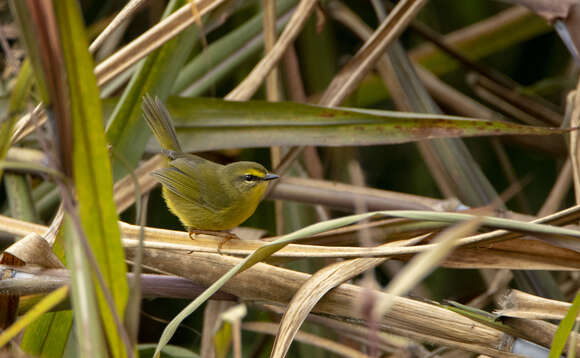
(252,82)
(151,40)
(211,322)
(453,100)
(318,192)
(575,143)
(535,110)
(514,253)
(21,154)
(386,341)
(559,190)
(124,15)
(34,280)
(273,89)
(124,189)
(364,60)
(342,196)
(537,331)
(272,284)
(404,342)
(475,31)
(520,304)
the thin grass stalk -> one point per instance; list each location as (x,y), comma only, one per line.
(252,82)
(151,40)
(226,54)
(123,16)
(351,74)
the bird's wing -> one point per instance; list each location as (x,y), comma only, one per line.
(197,180)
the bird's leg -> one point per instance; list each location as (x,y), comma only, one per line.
(190,232)
(226,236)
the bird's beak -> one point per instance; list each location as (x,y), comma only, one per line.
(270,176)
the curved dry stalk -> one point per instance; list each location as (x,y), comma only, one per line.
(35,250)
(312,291)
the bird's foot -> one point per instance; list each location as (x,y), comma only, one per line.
(226,236)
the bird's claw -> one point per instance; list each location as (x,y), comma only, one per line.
(226,236)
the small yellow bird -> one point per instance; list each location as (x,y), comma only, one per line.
(208,198)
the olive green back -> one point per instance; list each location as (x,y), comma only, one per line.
(196,180)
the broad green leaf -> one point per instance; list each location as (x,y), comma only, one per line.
(210,124)
(92,170)
(126,130)
(57,326)
(564,329)
(34,313)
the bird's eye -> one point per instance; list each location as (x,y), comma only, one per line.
(250,177)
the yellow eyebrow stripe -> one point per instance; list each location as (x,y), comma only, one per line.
(255,172)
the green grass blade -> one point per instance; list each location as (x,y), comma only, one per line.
(28,30)
(92,169)
(89,330)
(16,105)
(34,313)
(57,326)
(565,328)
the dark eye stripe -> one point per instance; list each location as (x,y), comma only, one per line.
(250,177)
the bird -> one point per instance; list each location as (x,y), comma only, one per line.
(207,197)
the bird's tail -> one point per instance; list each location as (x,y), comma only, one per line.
(159,121)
